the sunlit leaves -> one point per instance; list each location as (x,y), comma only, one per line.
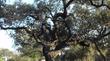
(15,12)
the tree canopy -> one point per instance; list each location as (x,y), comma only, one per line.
(50,26)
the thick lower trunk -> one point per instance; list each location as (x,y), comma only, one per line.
(45,53)
(48,58)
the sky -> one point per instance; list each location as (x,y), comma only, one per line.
(25,1)
(6,42)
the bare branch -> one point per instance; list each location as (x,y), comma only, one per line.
(12,28)
(99,37)
(93,40)
(97,48)
(64,14)
(49,11)
(64,6)
(69,3)
(104,35)
(33,16)
(97,6)
(25,28)
(34,36)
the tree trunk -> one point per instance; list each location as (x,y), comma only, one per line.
(45,53)
(48,58)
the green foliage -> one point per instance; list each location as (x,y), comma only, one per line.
(1,58)
(83,20)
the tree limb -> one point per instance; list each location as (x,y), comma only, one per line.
(97,48)
(25,28)
(64,14)
(99,37)
(34,36)
(64,6)
(12,28)
(49,11)
(68,3)
(104,35)
(97,6)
